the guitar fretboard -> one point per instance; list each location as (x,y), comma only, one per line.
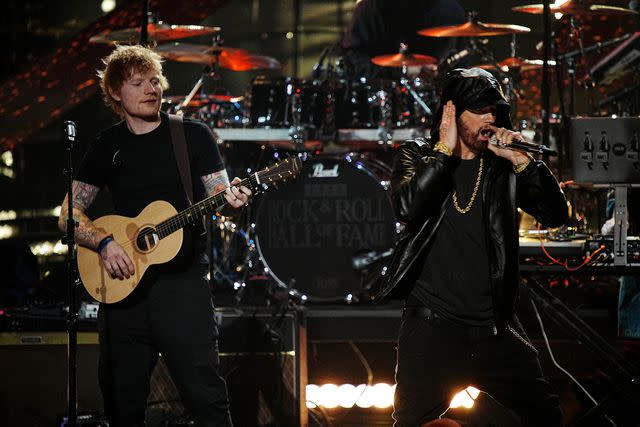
(193,213)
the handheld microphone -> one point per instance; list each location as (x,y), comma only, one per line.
(315,71)
(522,145)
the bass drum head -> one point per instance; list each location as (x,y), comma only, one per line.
(309,230)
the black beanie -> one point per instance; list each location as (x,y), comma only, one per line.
(471,89)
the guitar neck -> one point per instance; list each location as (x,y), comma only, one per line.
(193,213)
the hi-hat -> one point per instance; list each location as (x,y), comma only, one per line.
(403,59)
(575,8)
(474,28)
(159,32)
(201,101)
(226,57)
(517,63)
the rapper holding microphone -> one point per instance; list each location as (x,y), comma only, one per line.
(456,263)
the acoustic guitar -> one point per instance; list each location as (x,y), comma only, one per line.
(155,235)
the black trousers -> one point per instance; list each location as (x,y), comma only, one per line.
(436,359)
(173,317)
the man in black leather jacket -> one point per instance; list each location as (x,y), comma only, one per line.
(456,262)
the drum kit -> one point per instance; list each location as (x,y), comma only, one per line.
(324,236)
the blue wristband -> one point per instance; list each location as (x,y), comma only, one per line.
(103,243)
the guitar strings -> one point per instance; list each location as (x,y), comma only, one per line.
(204,204)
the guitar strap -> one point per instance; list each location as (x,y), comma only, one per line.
(182,156)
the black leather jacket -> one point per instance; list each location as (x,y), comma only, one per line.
(422,188)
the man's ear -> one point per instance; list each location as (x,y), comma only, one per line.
(114,94)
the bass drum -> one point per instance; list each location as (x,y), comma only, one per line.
(309,230)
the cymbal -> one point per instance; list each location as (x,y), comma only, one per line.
(402,59)
(517,63)
(474,29)
(574,8)
(199,101)
(226,57)
(159,32)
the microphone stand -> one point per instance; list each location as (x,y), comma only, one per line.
(72,281)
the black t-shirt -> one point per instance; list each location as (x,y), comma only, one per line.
(455,278)
(140,169)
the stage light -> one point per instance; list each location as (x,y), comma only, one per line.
(7,158)
(313,396)
(7,231)
(366,398)
(108,5)
(465,398)
(382,395)
(347,395)
(329,396)
(48,248)
(7,215)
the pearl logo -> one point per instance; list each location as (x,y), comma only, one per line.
(320,172)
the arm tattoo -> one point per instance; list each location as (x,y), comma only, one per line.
(83,195)
(215,182)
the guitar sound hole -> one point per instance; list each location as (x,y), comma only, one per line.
(147,239)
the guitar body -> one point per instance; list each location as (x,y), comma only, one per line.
(144,250)
(146,246)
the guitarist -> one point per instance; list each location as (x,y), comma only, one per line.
(170,311)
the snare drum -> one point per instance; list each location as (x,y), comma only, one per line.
(308,231)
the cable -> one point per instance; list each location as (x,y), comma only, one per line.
(553,360)
(565,264)
(367,368)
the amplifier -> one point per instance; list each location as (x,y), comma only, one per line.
(33,368)
(605,150)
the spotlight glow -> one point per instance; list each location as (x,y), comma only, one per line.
(108,5)
(331,396)
(465,398)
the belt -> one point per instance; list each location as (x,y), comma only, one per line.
(422,312)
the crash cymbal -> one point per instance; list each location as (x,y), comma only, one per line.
(474,29)
(403,59)
(575,8)
(226,57)
(200,101)
(517,63)
(159,32)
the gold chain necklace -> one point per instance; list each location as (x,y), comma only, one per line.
(473,195)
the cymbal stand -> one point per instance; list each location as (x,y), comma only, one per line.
(404,82)
(297,132)
(385,136)
(210,71)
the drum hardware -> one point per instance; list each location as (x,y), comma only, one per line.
(578,8)
(405,59)
(474,28)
